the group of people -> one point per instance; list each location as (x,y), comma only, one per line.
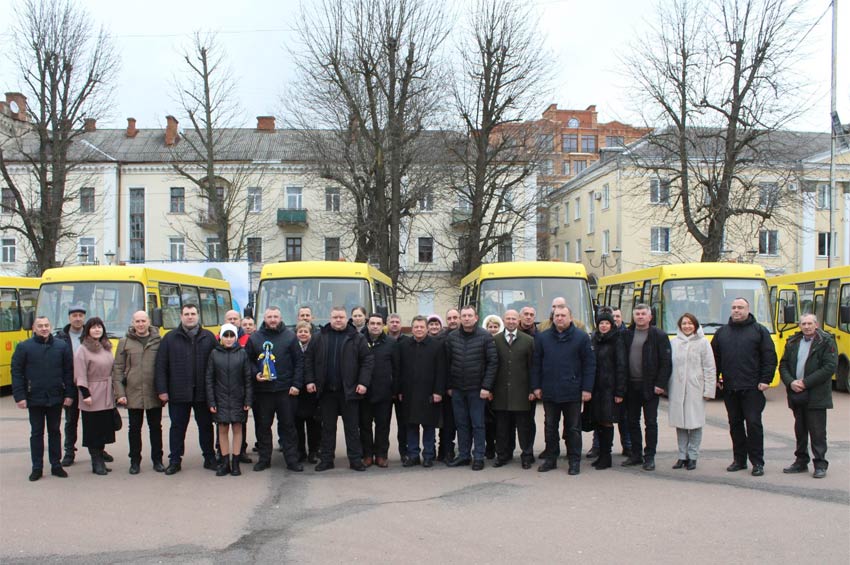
(478,384)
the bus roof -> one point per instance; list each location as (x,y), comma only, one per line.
(842,272)
(688,271)
(325,269)
(126,273)
(20,282)
(522,269)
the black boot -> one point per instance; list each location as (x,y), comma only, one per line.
(98,467)
(606,439)
(234,466)
(223,466)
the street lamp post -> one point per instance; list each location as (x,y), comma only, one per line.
(603,260)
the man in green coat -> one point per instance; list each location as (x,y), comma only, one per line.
(806,369)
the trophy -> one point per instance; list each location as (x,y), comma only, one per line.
(267,360)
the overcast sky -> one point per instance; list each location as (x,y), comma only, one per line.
(585,38)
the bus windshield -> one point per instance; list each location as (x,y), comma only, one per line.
(111,301)
(320,294)
(710,300)
(498,295)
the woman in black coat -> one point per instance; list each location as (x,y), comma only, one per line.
(230,391)
(308,425)
(609,388)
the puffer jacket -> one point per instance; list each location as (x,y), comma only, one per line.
(472,358)
(43,371)
(230,383)
(744,354)
(181,365)
(820,366)
(288,361)
(134,369)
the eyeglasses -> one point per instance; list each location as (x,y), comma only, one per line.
(228,334)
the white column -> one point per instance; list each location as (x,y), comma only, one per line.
(110,211)
(808,234)
(845,227)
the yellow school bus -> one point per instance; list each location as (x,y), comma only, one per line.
(114,293)
(826,294)
(495,287)
(322,285)
(706,290)
(18,296)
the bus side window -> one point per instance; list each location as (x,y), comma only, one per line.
(9,317)
(831,307)
(223,302)
(209,308)
(152,304)
(190,295)
(845,303)
(819,304)
(27,298)
(169,295)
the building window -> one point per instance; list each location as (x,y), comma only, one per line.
(577,208)
(331,249)
(606,197)
(9,250)
(660,240)
(768,195)
(216,203)
(332,199)
(565,168)
(506,251)
(567,213)
(178,200)
(87,200)
(255,199)
(293,248)
(546,167)
(579,166)
(426,249)
(137,225)
(606,243)
(426,201)
(213,249)
(825,242)
(573,123)
(614,141)
(557,250)
(566,251)
(177,246)
(823,196)
(7,204)
(569,143)
(768,242)
(659,191)
(254,249)
(588,144)
(591,213)
(87,250)
(546,142)
(292,198)
(578,251)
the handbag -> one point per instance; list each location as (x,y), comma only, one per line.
(587,423)
(117,421)
(798,398)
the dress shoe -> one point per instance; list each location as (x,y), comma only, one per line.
(58,471)
(412,462)
(593,453)
(428,463)
(490,453)
(692,464)
(632,461)
(548,465)
(758,470)
(312,458)
(134,468)
(796,467)
(574,469)
(107,457)
(36,474)
(210,463)
(819,473)
(173,468)
(261,465)
(367,461)
(527,464)
(478,465)
(295,467)
(357,466)
(243,458)
(680,463)
(68,460)
(158,467)
(324,466)
(626,452)
(500,462)
(735,466)
(458,462)
(381,462)
(649,464)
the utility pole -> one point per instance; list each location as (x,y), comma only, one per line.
(833,117)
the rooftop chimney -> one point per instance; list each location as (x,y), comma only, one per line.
(265,123)
(131,127)
(89,125)
(171,130)
(17,104)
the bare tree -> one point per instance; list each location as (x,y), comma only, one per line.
(718,77)
(67,66)
(501,81)
(368,89)
(214,156)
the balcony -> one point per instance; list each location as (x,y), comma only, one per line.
(460,216)
(289,217)
(207,221)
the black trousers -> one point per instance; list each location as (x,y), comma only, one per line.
(375,442)
(810,423)
(401,424)
(309,431)
(333,404)
(744,408)
(508,421)
(52,415)
(267,405)
(72,419)
(134,433)
(572,421)
(635,404)
(448,430)
(179,413)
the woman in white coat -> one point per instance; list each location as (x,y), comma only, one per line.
(693,380)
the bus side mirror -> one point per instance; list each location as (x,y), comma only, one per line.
(789,314)
(29,320)
(844,314)
(248,312)
(156,317)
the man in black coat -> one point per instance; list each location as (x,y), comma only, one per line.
(43,382)
(338,366)
(746,362)
(276,397)
(421,385)
(650,364)
(181,368)
(472,362)
(376,410)
(394,330)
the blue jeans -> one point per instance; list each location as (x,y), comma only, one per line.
(469,420)
(429,446)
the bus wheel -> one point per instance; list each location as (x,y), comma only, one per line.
(842,375)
